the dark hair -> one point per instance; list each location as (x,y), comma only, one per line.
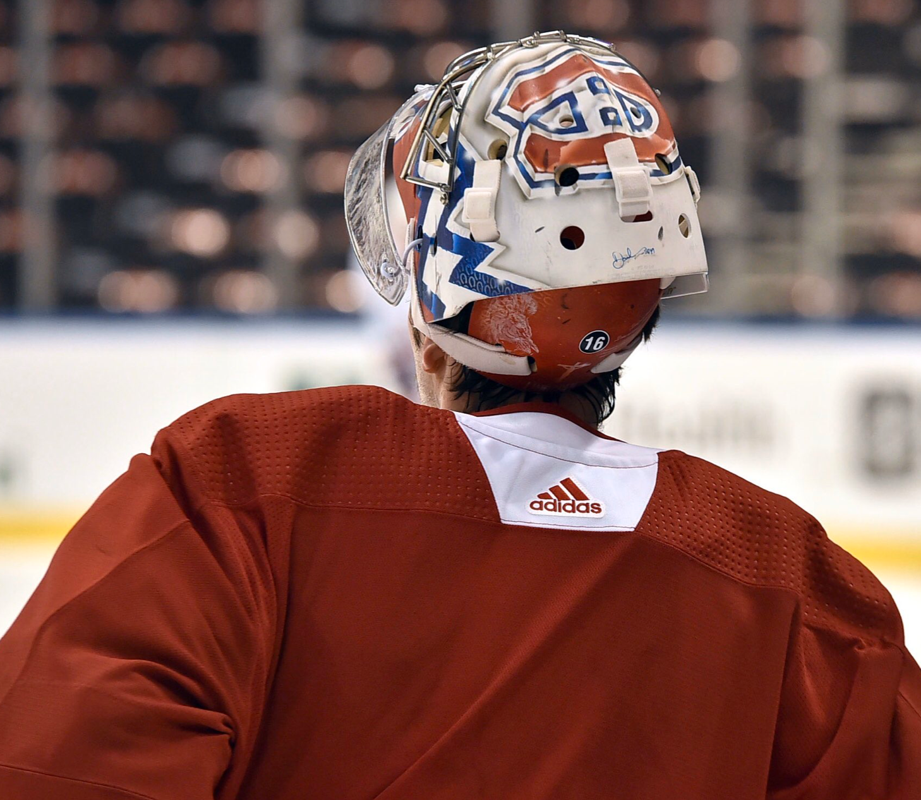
(599,393)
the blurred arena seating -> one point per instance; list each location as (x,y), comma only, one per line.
(180,169)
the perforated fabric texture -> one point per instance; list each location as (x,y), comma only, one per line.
(758,610)
(360,447)
(364,447)
(763,539)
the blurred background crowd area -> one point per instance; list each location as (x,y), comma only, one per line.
(162,156)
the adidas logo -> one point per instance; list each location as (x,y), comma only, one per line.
(566,499)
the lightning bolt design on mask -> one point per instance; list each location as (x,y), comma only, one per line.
(473,254)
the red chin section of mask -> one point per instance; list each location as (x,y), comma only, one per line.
(565,333)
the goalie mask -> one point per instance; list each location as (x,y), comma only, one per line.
(535,204)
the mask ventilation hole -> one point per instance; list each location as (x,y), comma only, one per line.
(684,225)
(567,176)
(647,217)
(663,164)
(572,238)
(567,122)
(498,150)
(661,234)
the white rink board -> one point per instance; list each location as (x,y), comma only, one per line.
(79,399)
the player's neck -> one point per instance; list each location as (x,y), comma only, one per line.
(576,405)
(436,374)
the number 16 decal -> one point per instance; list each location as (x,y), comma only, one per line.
(595,342)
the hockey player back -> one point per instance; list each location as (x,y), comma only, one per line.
(343,594)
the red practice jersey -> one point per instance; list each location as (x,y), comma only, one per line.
(339,594)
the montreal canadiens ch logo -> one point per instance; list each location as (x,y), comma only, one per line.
(566,499)
(565,109)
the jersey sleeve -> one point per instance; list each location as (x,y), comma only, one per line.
(139,665)
(849,723)
(905,773)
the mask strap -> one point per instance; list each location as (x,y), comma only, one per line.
(479,356)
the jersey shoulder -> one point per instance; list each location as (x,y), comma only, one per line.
(766,540)
(356,446)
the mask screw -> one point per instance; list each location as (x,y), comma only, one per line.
(388,271)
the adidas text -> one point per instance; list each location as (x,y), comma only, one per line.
(566,499)
(565,508)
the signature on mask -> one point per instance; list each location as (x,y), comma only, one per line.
(622,259)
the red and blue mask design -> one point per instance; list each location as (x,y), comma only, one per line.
(560,111)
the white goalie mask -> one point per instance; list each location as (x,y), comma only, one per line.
(533,167)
